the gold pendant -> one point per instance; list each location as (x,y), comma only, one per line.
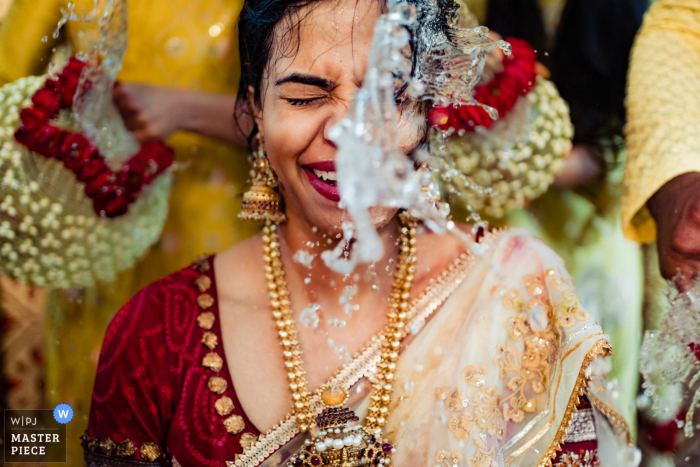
(342,442)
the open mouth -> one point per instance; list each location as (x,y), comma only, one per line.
(324,179)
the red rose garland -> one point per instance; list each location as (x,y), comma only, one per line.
(111,192)
(515,80)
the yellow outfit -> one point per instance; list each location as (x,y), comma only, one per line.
(178,43)
(663,109)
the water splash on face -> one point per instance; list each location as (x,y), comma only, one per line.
(304,258)
(309,316)
(372,168)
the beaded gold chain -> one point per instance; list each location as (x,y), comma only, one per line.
(391,336)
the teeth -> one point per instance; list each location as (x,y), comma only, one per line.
(326,176)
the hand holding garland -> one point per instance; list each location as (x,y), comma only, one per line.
(156,112)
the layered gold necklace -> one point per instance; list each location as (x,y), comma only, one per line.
(339,440)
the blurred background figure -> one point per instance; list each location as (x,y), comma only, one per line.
(585,45)
(178,81)
(661,200)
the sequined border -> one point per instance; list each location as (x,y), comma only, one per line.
(149,451)
(600,349)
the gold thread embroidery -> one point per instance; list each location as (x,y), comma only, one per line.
(600,349)
(203,283)
(611,414)
(205,301)
(210,340)
(234,424)
(223,405)
(248,439)
(448,459)
(217,384)
(206,320)
(201,264)
(584,458)
(107,446)
(212,361)
(126,448)
(149,451)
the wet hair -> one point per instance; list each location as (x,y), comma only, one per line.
(588,59)
(259,44)
(257,23)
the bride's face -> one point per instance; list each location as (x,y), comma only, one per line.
(308,86)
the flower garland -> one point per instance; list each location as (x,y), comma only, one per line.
(111,192)
(516,79)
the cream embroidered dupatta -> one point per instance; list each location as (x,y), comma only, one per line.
(493,377)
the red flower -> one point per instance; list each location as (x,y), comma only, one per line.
(91,168)
(515,80)
(49,141)
(95,185)
(32,118)
(75,151)
(113,203)
(47,102)
(68,81)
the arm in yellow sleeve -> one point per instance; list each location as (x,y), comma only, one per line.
(22,51)
(663,109)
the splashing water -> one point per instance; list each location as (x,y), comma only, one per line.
(309,316)
(96,115)
(304,257)
(371,166)
(669,359)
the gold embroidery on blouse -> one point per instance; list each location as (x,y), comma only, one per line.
(201,264)
(107,446)
(149,451)
(88,443)
(210,340)
(234,424)
(217,384)
(584,458)
(203,283)
(126,448)
(247,440)
(213,361)
(205,301)
(206,320)
(223,405)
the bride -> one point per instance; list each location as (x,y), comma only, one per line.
(431,356)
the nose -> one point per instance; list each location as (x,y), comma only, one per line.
(336,116)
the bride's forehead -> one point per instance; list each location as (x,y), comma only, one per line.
(332,34)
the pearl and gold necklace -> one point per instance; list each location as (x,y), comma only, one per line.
(340,441)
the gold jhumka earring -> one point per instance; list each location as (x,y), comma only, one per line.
(262,201)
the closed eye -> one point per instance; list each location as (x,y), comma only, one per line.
(302,102)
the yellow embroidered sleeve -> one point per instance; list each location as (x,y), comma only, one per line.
(663,109)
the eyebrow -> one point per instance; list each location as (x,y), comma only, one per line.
(325,84)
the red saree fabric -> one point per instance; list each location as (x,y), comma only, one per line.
(151,386)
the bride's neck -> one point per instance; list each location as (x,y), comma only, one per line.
(301,249)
